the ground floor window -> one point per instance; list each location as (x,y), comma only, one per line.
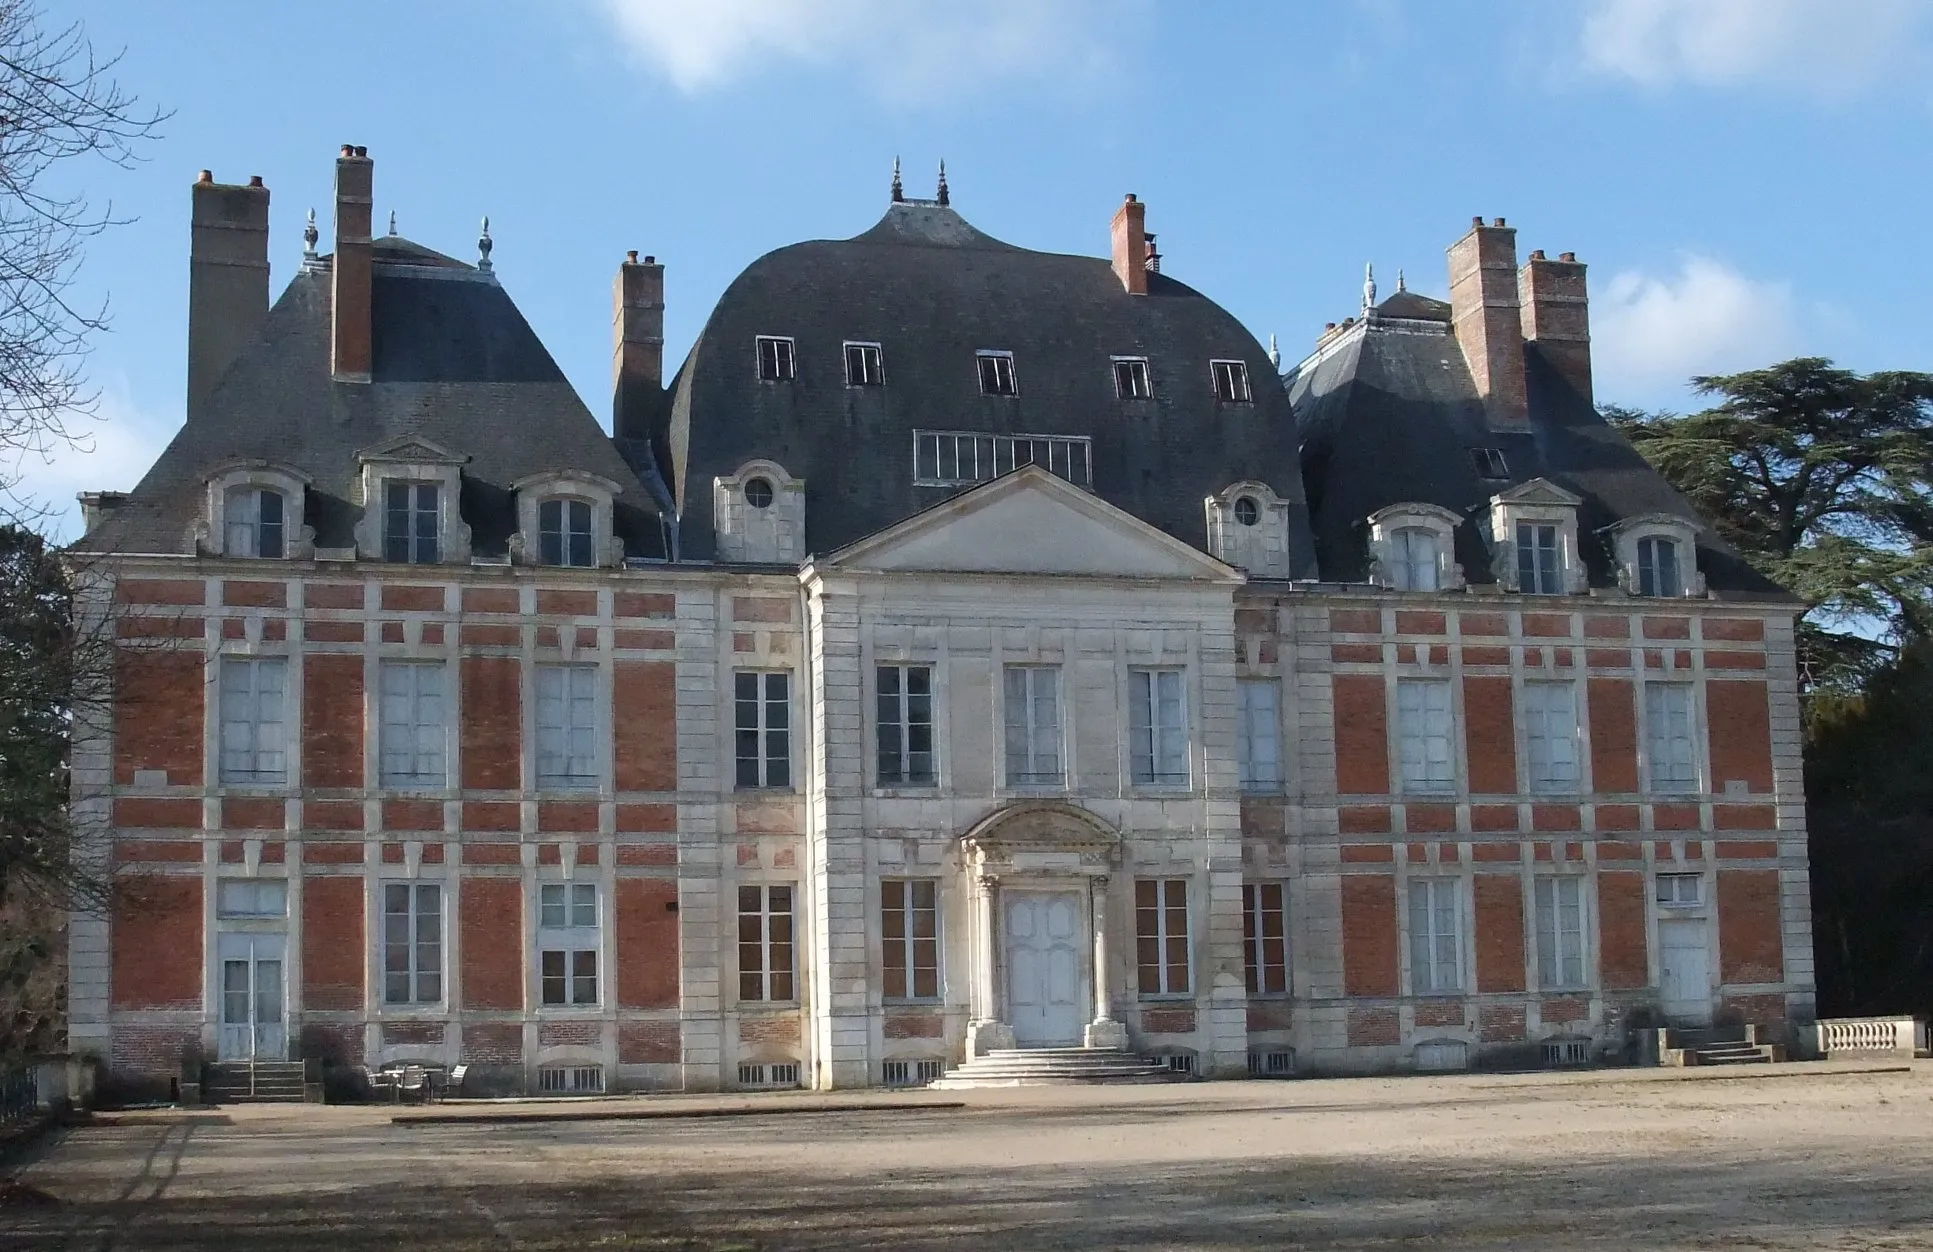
(568,938)
(1161,936)
(910,938)
(765,943)
(1265,937)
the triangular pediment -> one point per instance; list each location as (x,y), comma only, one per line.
(1031,522)
(1537,491)
(412,448)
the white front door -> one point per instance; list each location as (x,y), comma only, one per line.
(1684,960)
(1044,960)
(253,1021)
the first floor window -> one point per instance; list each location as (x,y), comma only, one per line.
(413,725)
(1161,936)
(1550,736)
(1667,727)
(1033,725)
(252,517)
(413,944)
(1423,731)
(567,942)
(1414,560)
(774,358)
(905,725)
(1680,891)
(762,713)
(910,932)
(567,726)
(564,533)
(1435,938)
(1158,725)
(1560,932)
(1265,937)
(1258,734)
(254,741)
(411,523)
(1537,559)
(765,961)
(1658,568)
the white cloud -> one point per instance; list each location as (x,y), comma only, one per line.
(904,49)
(1650,334)
(110,451)
(1813,46)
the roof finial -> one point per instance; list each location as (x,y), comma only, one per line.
(1400,284)
(483,247)
(944,198)
(1275,353)
(309,236)
(1368,287)
(392,221)
(899,193)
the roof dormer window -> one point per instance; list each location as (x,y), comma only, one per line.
(412,517)
(1412,547)
(1539,559)
(1489,463)
(1533,532)
(253,509)
(775,359)
(1657,556)
(996,373)
(565,533)
(1231,381)
(1131,378)
(863,366)
(1658,567)
(254,523)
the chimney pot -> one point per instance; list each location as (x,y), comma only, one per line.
(632,256)
(1565,256)
(207,176)
(348,150)
(650,260)
(255,180)
(1130,197)
(1496,221)
(1475,221)
(1537,255)
(1328,326)
(363,152)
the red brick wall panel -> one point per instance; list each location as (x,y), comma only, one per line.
(154,813)
(1740,721)
(645,604)
(1361,735)
(648,1043)
(412,599)
(567,603)
(1168,1021)
(1751,948)
(1369,935)
(1614,735)
(158,714)
(176,591)
(1500,932)
(492,723)
(493,1043)
(332,943)
(491,924)
(333,595)
(1490,735)
(490,600)
(1501,1023)
(156,940)
(332,729)
(1374,1028)
(647,943)
(1623,954)
(645,721)
(1734,629)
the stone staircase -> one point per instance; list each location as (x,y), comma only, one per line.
(259,1082)
(1049,1067)
(1718,1045)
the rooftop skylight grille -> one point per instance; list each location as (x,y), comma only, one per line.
(956,458)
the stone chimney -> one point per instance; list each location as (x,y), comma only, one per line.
(1557,317)
(1488,323)
(637,346)
(349,337)
(227,278)
(1131,245)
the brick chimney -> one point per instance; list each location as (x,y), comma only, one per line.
(1488,323)
(227,278)
(1557,317)
(1131,245)
(349,338)
(637,346)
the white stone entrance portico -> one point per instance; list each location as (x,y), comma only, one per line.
(1039,882)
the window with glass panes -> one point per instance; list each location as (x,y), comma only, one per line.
(413,943)
(1658,568)
(909,926)
(863,365)
(1158,728)
(1033,725)
(905,725)
(1161,936)
(1265,937)
(774,358)
(1131,378)
(1414,560)
(254,739)
(253,520)
(762,719)
(1435,936)
(996,373)
(765,943)
(1538,559)
(1423,726)
(1231,381)
(564,534)
(1550,736)
(568,941)
(567,726)
(1258,734)
(1560,932)
(1667,732)
(413,728)
(411,523)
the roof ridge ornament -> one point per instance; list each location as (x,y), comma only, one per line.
(944,198)
(309,237)
(1401,286)
(1368,286)
(392,221)
(899,192)
(483,247)
(1275,353)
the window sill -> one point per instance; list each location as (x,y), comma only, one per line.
(585,1011)
(1168,998)
(1165,790)
(1440,993)
(1275,997)
(909,790)
(769,1006)
(412,1012)
(1449,793)
(933,1002)
(765,791)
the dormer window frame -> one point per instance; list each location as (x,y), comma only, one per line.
(783,363)
(1133,379)
(1262,547)
(416,462)
(772,532)
(870,360)
(1228,377)
(1627,538)
(1537,503)
(998,377)
(236,480)
(566,487)
(1439,523)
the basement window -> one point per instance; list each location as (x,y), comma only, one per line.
(1489,463)
(775,359)
(1231,381)
(996,374)
(571,1080)
(1131,378)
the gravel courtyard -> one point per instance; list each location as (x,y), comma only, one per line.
(1810,1158)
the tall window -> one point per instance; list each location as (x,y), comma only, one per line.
(411,523)
(254,741)
(1658,568)
(1415,564)
(1435,936)
(1161,936)
(413,726)
(1131,378)
(1231,381)
(1423,731)
(1537,559)
(910,929)
(774,359)
(1550,736)
(996,373)
(564,533)
(252,518)
(1033,725)
(762,713)
(567,942)
(1258,734)
(1265,937)
(1667,732)
(1560,932)
(863,367)
(765,943)
(567,726)
(413,943)
(905,727)
(1158,726)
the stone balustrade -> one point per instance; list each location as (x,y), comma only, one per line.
(1841,1038)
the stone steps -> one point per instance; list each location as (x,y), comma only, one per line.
(1734,1054)
(1047,1067)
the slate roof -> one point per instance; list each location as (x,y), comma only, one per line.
(454,362)
(1389,414)
(931,289)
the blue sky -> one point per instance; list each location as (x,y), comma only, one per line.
(1748,179)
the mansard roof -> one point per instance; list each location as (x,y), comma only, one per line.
(931,289)
(454,366)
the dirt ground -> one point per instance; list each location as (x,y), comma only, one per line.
(1641,1159)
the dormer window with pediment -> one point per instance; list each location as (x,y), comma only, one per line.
(759,514)
(411,491)
(1657,556)
(1412,547)
(1533,528)
(1248,527)
(564,518)
(255,510)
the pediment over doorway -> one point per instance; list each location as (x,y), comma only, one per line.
(1046,836)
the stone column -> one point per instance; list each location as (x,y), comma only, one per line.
(985,1030)
(1103,1031)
